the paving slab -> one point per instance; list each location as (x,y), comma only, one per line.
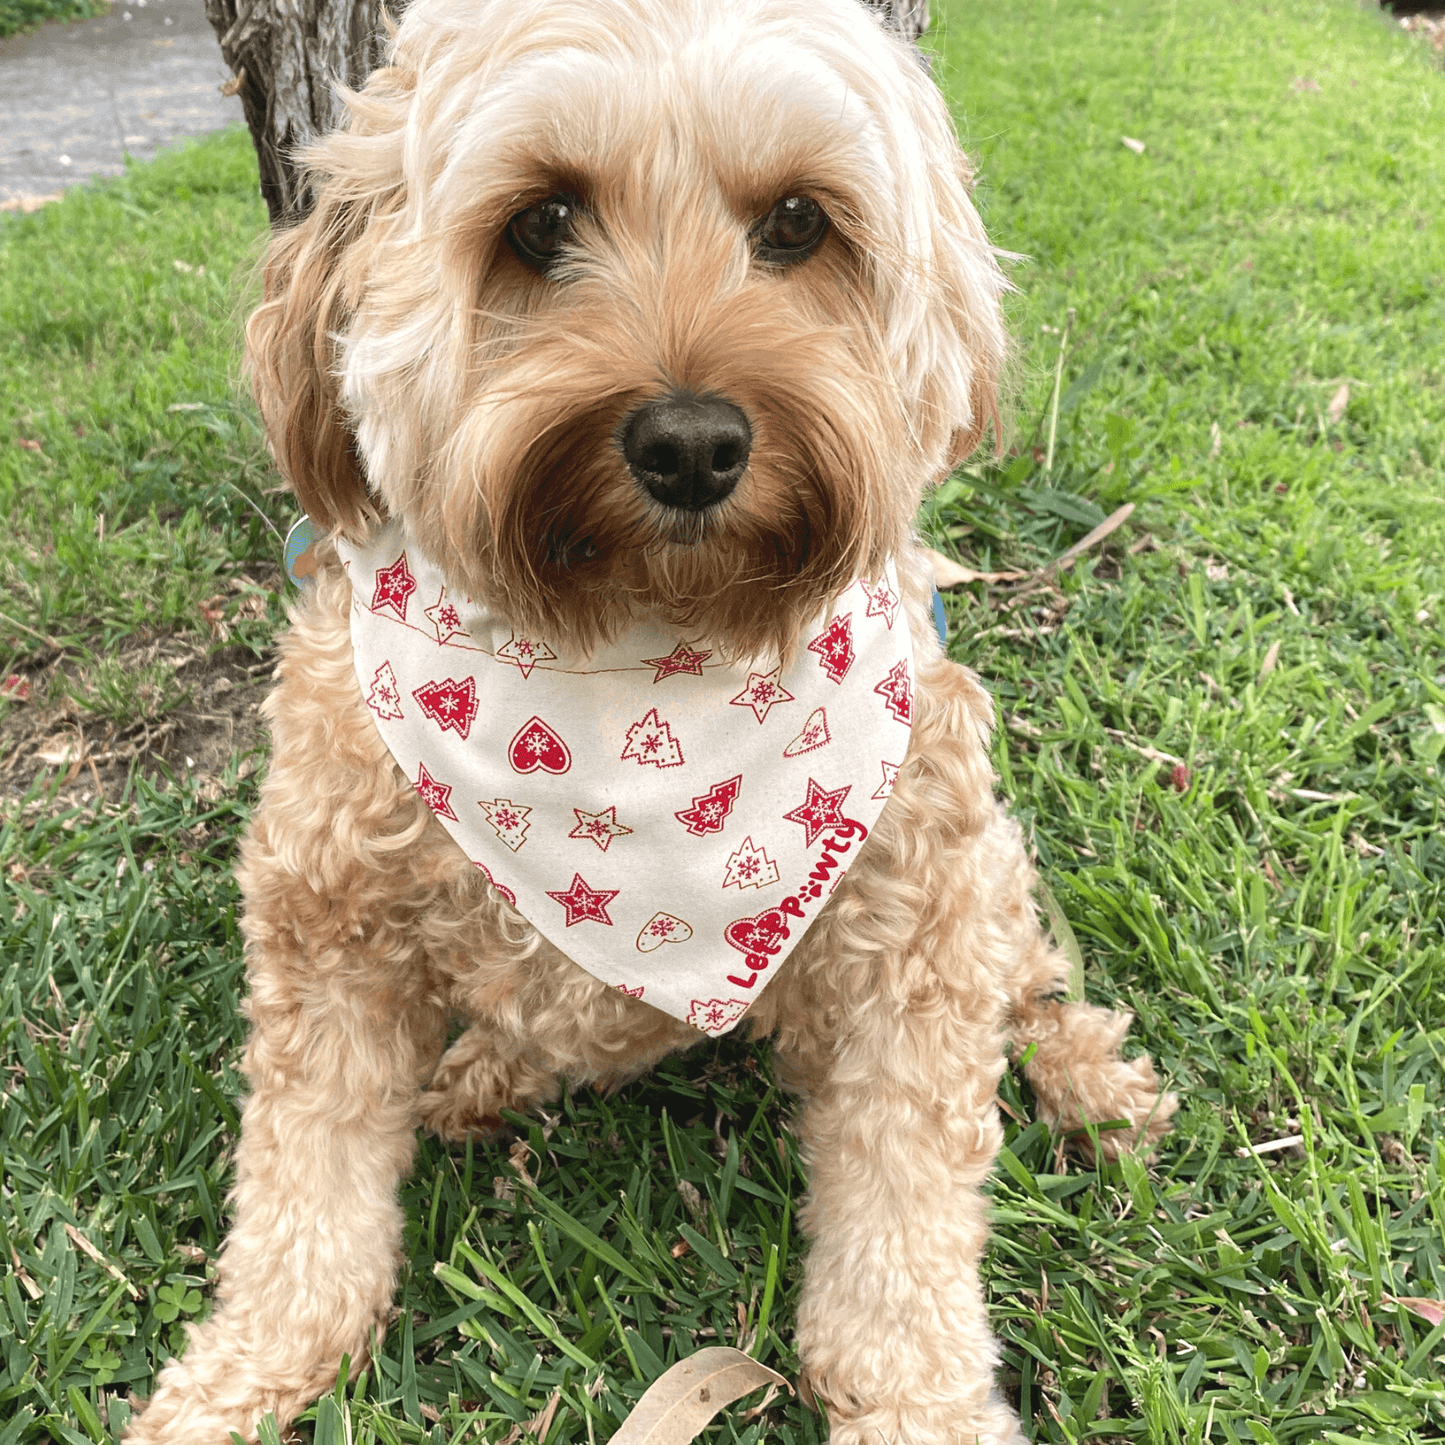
(77,99)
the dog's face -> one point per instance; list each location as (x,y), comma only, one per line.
(627,306)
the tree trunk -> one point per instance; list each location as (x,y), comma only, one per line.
(286,55)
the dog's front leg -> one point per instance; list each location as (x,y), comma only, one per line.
(900,1132)
(309,1267)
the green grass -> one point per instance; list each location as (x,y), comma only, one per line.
(1226,749)
(134,483)
(17,15)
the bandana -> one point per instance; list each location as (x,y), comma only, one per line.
(673,823)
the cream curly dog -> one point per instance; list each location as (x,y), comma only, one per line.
(636,318)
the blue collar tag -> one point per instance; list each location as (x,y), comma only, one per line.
(300,564)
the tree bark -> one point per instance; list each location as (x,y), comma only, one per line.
(286,56)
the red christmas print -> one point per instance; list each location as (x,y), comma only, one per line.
(890,776)
(437,796)
(600,828)
(750,867)
(716,1015)
(882,601)
(821,811)
(896,690)
(815,735)
(525,653)
(384,699)
(662,928)
(709,812)
(583,903)
(651,741)
(834,646)
(763,693)
(630,992)
(501,888)
(682,659)
(445,618)
(763,933)
(538,746)
(394,586)
(449,704)
(508,820)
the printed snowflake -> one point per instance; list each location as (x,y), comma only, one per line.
(750,867)
(716,1015)
(384,699)
(763,693)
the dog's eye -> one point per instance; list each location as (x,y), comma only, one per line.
(791,230)
(542,232)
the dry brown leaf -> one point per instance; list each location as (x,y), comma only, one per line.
(947,573)
(1111,523)
(1432,1310)
(1137,146)
(1338,402)
(57,752)
(681,1401)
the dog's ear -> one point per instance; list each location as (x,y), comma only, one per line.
(291,356)
(955,346)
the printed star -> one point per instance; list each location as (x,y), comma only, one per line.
(446,619)
(437,796)
(526,653)
(600,828)
(820,811)
(582,902)
(890,776)
(763,693)
(394,586)
(882,602)
(682,659)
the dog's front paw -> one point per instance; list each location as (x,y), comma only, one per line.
(453,1114)
(992,1423)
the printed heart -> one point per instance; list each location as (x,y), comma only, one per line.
(537,746)
(814,735)
(762,933)
(662,928)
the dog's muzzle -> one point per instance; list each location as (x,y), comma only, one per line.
(687,451)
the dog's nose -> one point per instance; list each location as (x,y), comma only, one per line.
(688,451)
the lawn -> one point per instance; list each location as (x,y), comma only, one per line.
(1223,729)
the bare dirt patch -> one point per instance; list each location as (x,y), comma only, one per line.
(47,735)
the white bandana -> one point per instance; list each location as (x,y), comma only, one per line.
(671,822)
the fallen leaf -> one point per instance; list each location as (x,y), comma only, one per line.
(59,751)
(1111,523)
(1338,402)
(1431,1310)
(948,573)
(30,446)
(681,1401)
(1267,666)
(1137,146)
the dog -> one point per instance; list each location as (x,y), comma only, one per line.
(635,330)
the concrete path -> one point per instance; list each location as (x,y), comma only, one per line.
(76,99)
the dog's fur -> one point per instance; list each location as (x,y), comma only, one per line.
(402,342)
